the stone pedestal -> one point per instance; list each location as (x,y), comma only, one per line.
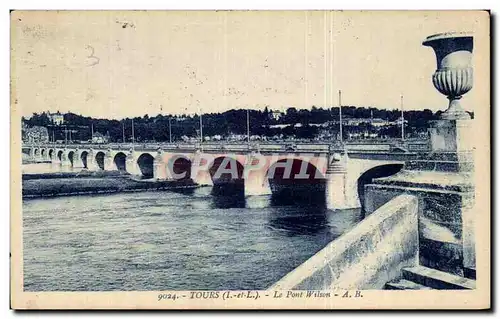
(444,239)
(451,136)
(452,148)
(443,181)
(453,141)
(469,232)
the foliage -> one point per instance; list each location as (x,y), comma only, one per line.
(234,123)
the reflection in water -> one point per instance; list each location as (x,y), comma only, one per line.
(306,214)
(298,192)
(301,221)
(48,168)
(183,191)
(310,196)
(228,195)
(184,239)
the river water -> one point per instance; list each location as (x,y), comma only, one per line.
(40,168)
(184,240)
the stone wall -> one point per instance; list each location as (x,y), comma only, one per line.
(366,257)
(445,218)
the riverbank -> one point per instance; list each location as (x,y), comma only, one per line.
(35,188)
(80,174)
(31,161)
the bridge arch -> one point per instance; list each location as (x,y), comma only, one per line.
(120,161)
(84,158)
(179,167)
(146,165)
(296,180)
(226,170)
(36,152)
(227,176)
(379,171)
(346,186)
(60,155)
(71,158)
(51,154)
(99,159)
(43,152)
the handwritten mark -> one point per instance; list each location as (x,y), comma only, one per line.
(92,56)
(125,24)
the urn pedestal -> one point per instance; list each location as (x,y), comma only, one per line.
(452,137)
(443,179)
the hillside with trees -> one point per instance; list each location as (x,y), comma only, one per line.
(293,123)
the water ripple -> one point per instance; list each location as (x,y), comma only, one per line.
(168,241)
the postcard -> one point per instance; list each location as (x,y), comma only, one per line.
(250,160)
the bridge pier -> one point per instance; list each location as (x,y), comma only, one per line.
(203,178)
(256,180)
(160,171)
(36,154)
(55,159)
(91,161)
(77,159)
(109,165)
(199,172)
(131,163)
(65,162)
(341,190)
(257,185)
(43,154)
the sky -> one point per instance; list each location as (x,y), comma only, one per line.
(112,64)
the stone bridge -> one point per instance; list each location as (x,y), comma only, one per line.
(340,172)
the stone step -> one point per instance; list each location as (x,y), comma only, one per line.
(437,279)
(470,272)
(404,284)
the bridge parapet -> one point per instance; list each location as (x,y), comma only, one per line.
(342,264)
(263,147)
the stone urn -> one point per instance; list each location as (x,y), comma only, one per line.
(453,76)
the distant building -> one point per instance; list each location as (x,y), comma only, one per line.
(98,138)
(279,125)
(56,118)
(276,115)
(379,122)
(376,122)
(399,121)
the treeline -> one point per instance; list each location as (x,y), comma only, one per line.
(232,122)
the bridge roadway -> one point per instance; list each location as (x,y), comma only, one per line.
(339,170)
